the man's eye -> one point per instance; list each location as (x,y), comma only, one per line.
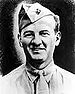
(28,34)
(44,33)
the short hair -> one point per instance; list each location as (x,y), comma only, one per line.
(57,20)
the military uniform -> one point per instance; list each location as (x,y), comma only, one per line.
(20,81)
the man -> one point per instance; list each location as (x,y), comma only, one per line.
(38,35)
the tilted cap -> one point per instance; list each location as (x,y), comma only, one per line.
(30,13)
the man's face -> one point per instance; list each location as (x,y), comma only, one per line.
(39,39)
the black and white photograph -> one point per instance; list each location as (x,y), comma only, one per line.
(37,46)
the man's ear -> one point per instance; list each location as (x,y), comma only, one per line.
(58,38)
(19,38)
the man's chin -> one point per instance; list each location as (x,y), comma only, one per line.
(38,58)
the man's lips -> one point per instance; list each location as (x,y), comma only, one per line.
(37,49)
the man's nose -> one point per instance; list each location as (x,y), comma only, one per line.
(37,40)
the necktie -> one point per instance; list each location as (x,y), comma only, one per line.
(41,85)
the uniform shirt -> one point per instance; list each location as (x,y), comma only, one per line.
(20,81)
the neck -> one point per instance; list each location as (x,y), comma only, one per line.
(38,67)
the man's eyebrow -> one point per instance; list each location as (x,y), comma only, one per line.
(44,30)
(28,31)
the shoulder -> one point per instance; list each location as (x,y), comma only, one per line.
(66,74)
(15,73)
(9,80)
(68,80)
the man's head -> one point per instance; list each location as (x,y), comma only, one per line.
(39,34)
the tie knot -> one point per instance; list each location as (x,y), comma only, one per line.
(41,73)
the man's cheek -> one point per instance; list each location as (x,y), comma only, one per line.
(26,40)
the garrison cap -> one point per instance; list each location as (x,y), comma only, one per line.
(30,13)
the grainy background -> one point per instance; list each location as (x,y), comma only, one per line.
(64,54)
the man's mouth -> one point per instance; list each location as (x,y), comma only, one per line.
(37,49)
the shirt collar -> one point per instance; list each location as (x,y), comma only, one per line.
(48,71)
